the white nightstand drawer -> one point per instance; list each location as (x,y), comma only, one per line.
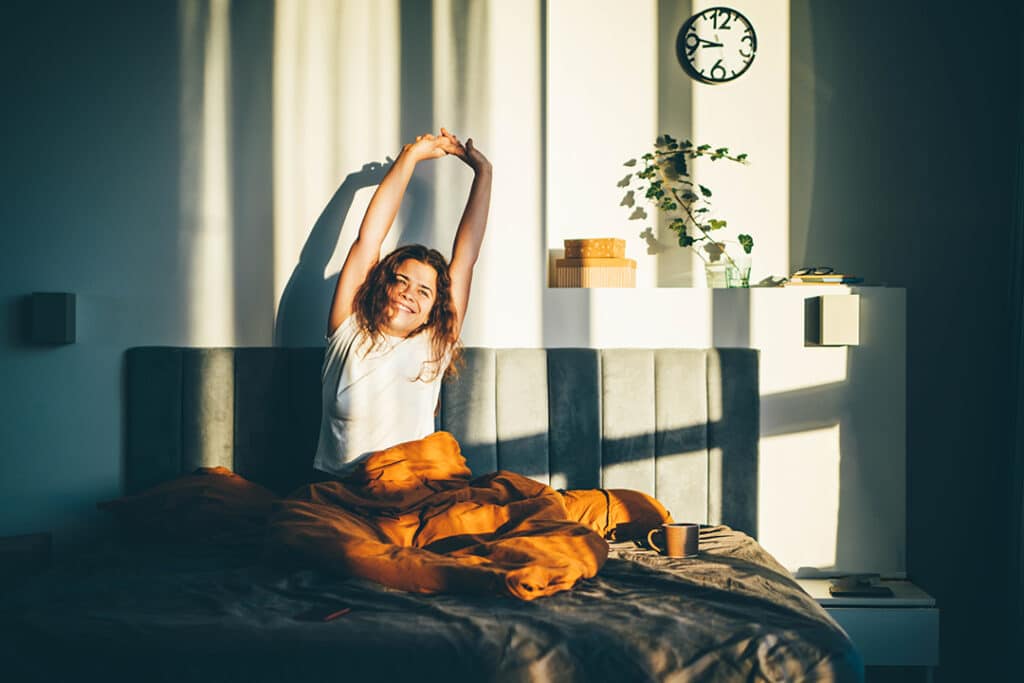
(901,630)
(892,636)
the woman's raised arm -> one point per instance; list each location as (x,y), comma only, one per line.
(470,235)
(380,215)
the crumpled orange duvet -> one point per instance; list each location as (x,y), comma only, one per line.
(411,518)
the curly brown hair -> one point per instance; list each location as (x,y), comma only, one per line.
(372,298)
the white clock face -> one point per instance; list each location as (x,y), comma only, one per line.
(716,45)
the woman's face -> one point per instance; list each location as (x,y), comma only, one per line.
(410,298)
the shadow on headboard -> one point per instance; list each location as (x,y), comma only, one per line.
(680,424)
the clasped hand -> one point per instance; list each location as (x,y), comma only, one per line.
(429,146)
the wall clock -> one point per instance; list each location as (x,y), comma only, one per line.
(717,45)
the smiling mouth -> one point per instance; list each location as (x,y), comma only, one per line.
(403,307)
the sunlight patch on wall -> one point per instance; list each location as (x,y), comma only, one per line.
(206,182)
(751,114)
(798,497)
(777,328)
(602,84)
(336,108)
(516,141)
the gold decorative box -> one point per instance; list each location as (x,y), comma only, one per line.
(601,247)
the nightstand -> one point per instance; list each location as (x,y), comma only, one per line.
(899,631)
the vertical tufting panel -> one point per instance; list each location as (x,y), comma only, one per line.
(261,414)
(664,422)
(302,417)
(208,408)
(681,446)
(628,419)
(468,410)
(733,432)
(152,416)
(574,418)
(521,411)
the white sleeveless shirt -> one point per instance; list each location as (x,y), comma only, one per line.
(371,399)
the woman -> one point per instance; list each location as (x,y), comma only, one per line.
(394,323)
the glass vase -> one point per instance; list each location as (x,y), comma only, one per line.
(717,274)
(737,273)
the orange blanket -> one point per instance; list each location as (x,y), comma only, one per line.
(410,518)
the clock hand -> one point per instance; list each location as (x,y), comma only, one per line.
(708,43)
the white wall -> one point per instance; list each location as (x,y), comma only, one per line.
(614,84)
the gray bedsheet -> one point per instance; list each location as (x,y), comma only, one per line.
(190,614)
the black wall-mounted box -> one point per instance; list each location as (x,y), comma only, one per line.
(53,318)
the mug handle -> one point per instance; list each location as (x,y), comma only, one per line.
(650,538)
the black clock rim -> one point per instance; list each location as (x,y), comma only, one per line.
(681,48)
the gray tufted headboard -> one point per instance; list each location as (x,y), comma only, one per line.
(680,424)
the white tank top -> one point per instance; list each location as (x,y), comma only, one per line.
(371,399)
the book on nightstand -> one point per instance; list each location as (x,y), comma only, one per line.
(830,279)
(856,586)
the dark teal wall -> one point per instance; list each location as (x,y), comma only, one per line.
(90,193)
(904,121)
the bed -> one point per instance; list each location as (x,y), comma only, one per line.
(678,424)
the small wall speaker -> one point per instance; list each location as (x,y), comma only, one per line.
(832,320)
(52,318)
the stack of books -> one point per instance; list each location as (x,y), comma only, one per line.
(599,262)
(829,279)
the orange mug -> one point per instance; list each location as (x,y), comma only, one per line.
(681,539)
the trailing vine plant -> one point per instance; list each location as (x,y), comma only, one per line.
(664,180)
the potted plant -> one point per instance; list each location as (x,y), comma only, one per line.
(664,180)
